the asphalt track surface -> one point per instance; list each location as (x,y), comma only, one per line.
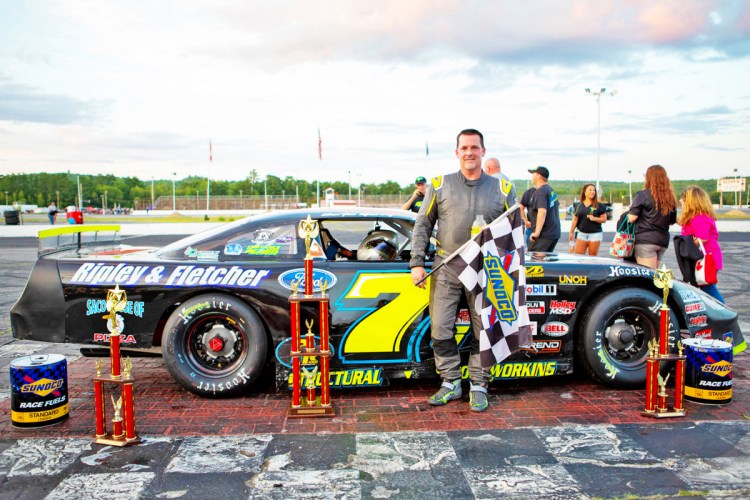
(662,459)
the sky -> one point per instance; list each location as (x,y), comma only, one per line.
(140,88)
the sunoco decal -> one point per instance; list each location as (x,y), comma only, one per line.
(179,276)
(499,289)
(286,278)
(555,329)
(42,387)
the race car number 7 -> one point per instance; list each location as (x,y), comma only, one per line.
(381,330)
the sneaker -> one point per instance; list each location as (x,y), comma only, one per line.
(448,392)
(478,398)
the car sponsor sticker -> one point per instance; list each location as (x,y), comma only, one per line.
(728,337)
(534,272)
(499,290)
(263,249)
(566,279)
(298,275)
(463,317)
(689,296)
(694,308)
(233,249)
(207,255)
(541,290)
(706,333)
(555,329)
(618,271)
(181,276)
(104,338)
(535,307)
(699,320)
(523,370)
(534,327)
(562,307)
(99,306)
(544,346)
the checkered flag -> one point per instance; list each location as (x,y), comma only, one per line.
(491,265)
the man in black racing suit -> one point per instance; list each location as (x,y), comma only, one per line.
(453,202)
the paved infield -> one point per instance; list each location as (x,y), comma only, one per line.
(559,438)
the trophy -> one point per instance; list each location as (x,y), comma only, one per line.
(309,336)
(308,229)
(123,423)
(309,376)
(658,352)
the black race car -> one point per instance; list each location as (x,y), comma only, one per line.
(217,303)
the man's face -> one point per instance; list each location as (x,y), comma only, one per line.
(470,152)
(421,187)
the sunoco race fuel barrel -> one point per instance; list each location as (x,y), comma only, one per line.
(708,371)
(39,390)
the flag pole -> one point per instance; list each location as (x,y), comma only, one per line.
(208,176)
(504,215)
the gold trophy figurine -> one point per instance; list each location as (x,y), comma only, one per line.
(323,288)
(309,377)
(295,286)
(127,368)
(664,279)
(118,407)
(99,368)
(308,229)
(309,336)
(116,301)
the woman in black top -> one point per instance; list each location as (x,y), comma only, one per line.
(653,210)
(586,228)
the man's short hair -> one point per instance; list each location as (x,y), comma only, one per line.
(470,131)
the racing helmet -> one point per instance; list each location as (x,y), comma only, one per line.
(378,245)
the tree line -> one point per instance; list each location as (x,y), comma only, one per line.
(42,188)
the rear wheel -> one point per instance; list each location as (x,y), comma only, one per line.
(613,343)
(214,345)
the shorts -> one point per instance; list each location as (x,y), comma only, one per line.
(649,251)
(589,236)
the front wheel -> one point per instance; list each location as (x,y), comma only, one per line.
(214,345)
(613,343)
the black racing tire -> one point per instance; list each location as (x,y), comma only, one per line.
(612,345)
(214,345)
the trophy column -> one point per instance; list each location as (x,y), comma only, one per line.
(657,399)
(311,363)
(123,422)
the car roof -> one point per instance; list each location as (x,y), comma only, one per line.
(336,213)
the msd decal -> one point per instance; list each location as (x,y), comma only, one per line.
(535,307)
(693,308)
(555,329)
(562,307)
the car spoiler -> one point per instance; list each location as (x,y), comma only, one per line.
(75,237)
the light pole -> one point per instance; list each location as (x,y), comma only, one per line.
(6,197)
(57,197)
(152,192)
(350,184)
(735,193)
(174,192)
(599,95)
(630,186)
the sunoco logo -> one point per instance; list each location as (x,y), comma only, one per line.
(43,386)
(298,275)
(721,368)
(499,290)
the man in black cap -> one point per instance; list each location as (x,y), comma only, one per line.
(415,202)
(545,213)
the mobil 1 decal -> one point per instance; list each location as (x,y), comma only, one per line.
(170,276)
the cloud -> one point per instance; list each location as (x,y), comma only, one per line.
(22,103)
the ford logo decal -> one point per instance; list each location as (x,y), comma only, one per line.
(286,278)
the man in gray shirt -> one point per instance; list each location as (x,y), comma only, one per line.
(453,202)
(492,167)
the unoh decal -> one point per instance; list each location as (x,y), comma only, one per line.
(298,275)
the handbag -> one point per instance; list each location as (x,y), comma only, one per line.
(705,268)
(624,241)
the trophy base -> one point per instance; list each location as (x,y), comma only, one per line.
(306,410)
(664,414)
(108,440)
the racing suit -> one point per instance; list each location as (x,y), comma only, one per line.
(453,202)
